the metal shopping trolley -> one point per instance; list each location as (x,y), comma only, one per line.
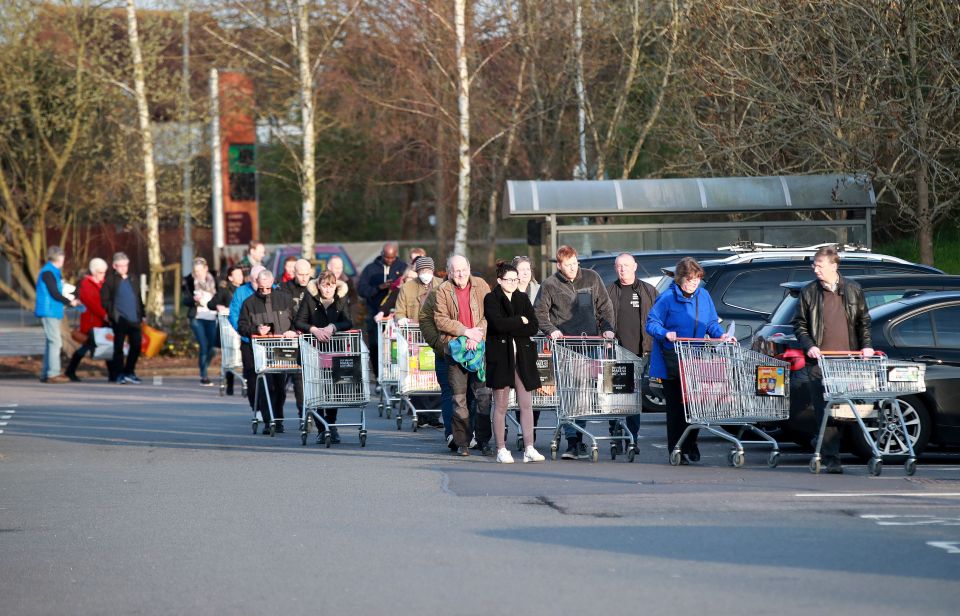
(336,375)
(856,387)
(415,371)
(272,355)
(230,362)
(725,384)
(544,399)
(387,367)
(597,381)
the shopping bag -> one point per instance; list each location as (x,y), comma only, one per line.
(103,339)
(152,340)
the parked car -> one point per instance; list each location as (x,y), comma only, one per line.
(323,252)
(922,325)
(650,263)
(746,288)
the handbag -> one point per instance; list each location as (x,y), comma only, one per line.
(77,336)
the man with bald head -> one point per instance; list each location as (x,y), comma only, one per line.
(375,281)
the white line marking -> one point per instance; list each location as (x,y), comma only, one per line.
(3,423)
(952,547)
(4,405)
(871,494)
(6,416)
(910,520)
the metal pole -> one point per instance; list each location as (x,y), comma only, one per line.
(216,171)
(186,251)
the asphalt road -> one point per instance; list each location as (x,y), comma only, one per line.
(157,499)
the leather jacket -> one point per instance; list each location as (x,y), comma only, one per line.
(808,324)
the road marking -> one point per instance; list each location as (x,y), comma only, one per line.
(5,405)
(952,547)
(911,520)
(3,423)
(6,416)
(875,494)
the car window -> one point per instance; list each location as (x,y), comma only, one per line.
(878,297)
(756,290)
(947,322)
(915,331)
(852,271)
(785,312)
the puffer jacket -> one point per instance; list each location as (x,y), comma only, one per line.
(447,313)
(313,314)
(689,317)
(808,324)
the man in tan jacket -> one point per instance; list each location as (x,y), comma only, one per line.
(459,312)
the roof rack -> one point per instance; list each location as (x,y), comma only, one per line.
(749,246)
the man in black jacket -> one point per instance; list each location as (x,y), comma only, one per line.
(631,299)
(375,281)
(267,313)
(832,316)
(120,296)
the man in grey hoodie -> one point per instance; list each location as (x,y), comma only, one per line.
(574,302)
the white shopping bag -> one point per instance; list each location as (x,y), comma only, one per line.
(103,338)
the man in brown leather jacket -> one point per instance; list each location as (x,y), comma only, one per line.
(832,316)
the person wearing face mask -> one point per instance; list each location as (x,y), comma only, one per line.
(266,313)
(323,312)
(684,310)
(409,301)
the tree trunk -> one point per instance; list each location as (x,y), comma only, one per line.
(463,107)
(308,184)
(154,305)
(581,172)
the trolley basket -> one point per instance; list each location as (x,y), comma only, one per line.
(336,375)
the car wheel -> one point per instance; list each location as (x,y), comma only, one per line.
(886,432)
(652,403)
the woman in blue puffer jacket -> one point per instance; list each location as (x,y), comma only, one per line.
(684,310)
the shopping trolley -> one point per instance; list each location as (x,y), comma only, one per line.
(272,355)
(725,384)
(336,375)
(415,371)
(230,362)
(545,398)
(856,386)
(387,365)
(597,380)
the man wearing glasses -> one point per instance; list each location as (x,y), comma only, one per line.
(573,302)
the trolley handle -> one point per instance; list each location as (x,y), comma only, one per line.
(713,340)
(850,354)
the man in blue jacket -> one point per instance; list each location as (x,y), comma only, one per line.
(375,281)
(49,309)
(241,295)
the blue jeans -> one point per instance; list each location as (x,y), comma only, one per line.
(205,331)
(51,350)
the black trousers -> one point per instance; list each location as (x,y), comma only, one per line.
(676,423)
(124,330)
(87,348)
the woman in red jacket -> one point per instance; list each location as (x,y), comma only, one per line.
(93,316)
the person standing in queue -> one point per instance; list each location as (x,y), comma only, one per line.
(511,358)
(375,282)
(574,302)
(199,288)
(267,313)
(120,295)
(323,312)
(632,300)
(832,316)
(684,310)
(241,295)
(49,309)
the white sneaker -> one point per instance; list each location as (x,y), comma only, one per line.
(473,442)
(504,456)
(532,455)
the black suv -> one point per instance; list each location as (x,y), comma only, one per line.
(650,263)
(748,292)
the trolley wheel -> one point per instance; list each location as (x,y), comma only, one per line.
(303,439)
(327,439)
(875,466)
(737,458)
(363,438)
(594,455)
(273,429)
(773,459)
(613,451)
(380,410)
(389,410)
(675,457)
(253,425)
(519,442)
(243,390)
(414,424)
(814,465)
(399,422)
(910,467)
(223,390)
(631,454)
(553,451)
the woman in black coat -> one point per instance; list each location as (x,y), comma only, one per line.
(511,358)
(324,311)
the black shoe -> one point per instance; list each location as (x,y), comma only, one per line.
(834,467)
(132,378)
(266,429)
(571,452)
(334,436)
(693,452)
(463,451)
(73,377)
(452,445)
(582,452)
(486,450)
(684,459)
(279,427)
